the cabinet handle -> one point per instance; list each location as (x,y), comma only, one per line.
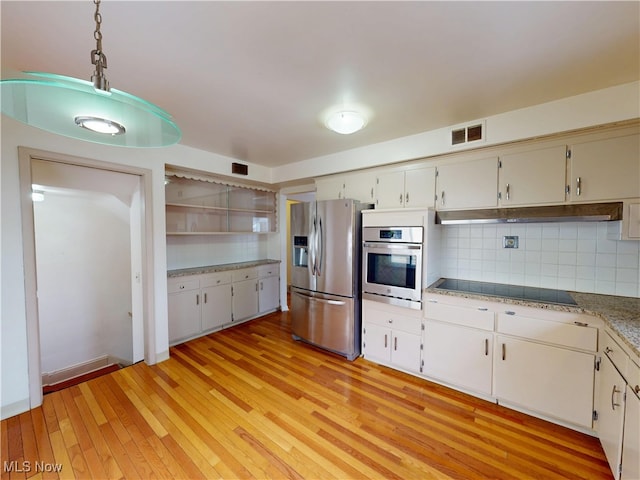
(608,350)
(486,347)
(578,186)
(372,193)
(400,199)
(509,312)
(197,299)
(395,343)
(406,198)
(385,340)
(205,298)
(261,286)
(504,351)
(636,389)
(508,192)
(442,198)
(256,286)
(483,309)
(613,393)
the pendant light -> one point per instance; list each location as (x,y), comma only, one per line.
(90,111)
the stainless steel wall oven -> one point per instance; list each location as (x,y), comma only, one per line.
(392,265)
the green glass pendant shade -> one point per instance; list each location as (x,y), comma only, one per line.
(52,102)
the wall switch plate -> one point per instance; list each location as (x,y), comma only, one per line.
(510,241)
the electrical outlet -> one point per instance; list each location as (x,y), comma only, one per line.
(510,241)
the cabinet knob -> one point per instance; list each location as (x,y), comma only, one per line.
(390,320)
(608,350)
(636,389)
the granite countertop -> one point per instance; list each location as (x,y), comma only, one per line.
(218,268)
(621,314)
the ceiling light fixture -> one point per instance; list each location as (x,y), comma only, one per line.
(61,104)
(346,122)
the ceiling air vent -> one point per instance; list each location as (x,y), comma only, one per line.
(239,168)
(467,134)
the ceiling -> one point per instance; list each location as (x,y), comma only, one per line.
(251,80)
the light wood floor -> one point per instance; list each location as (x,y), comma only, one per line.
(249,402)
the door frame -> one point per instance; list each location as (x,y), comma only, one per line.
(25,157)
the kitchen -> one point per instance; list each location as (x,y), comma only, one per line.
(572,113)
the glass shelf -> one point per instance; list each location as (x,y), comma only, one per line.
(195,207)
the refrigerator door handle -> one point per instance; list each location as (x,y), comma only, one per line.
(312,247)
(321,300)
(320,247)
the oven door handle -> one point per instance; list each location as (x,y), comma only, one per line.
(385,246)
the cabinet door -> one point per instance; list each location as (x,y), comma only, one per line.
(361,187)
(605,169)
(390,190)
(533,177)
(550,380)
(459,356)
(331,188)
(245,299)
(471,184)
(610,413)
(377,343)
(184,315)
(269,294)
(631,441)
(405,350)
(420,187)
(216,306)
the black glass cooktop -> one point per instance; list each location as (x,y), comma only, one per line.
(532,294)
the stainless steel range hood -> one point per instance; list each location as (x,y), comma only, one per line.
(584,212)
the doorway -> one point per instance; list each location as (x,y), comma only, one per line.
(85,259)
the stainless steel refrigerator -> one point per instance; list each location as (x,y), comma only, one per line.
(325,277)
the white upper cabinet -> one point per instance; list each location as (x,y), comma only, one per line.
(359,186)
(468,184)
(533,177)
(607,169)
(414,187)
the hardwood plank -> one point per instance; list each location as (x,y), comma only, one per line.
(249,402)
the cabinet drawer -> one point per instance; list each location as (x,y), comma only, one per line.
(245,274)
(468,317)
(564,334)
(182,284)
(394,321)
(618,356)
(215,279)
(271,270)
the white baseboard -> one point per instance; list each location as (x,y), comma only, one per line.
(14,409)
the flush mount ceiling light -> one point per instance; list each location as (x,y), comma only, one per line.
(346,122)
(61,105)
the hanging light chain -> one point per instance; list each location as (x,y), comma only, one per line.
(98,58)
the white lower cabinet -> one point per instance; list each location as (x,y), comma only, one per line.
(245,294)
(631,437)
(458,355)
(200,304)
(268,288)
(184,309)
(618,409)
(611,413)
(552,381)
(391,335)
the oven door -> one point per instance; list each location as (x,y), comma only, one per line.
(392,273)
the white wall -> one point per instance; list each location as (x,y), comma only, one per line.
(566,256)
(84,292)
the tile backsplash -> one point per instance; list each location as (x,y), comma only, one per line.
(568,256)
(201,250)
